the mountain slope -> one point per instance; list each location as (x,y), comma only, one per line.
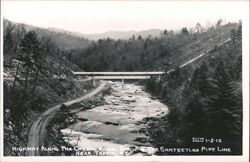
(161,53)
(62,39)
(204,99)
(113,34)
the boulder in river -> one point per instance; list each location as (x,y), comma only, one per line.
(111,123)
(133,131)
(141,139)
(82,119)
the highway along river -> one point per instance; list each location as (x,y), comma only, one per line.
(116,128)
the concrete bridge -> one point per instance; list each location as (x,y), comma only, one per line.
(120,75)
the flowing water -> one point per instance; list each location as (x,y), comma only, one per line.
(116,128)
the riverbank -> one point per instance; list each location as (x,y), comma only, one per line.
(65,117)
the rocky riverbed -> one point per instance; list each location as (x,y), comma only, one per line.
(117,127)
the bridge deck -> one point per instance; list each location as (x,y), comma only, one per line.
(120,73)
(121,77)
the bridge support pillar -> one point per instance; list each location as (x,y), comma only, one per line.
(122,81)
(93,79)
(159,77)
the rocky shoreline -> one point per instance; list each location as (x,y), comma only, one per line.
(65,117)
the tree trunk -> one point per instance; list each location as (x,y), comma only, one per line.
(15,78)
(26,82)
(36,79)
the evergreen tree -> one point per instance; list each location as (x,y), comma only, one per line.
(184,31)
(240,30)
(194,122)
(30,56)
(151,85)
(175,78)
(223,112)
(200,81)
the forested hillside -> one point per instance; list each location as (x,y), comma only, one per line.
(204,99)
(61,40)
(36,77)
(152,53)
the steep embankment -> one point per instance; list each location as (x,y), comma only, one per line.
(50,90)
(37,132)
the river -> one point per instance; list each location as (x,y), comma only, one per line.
(116,128)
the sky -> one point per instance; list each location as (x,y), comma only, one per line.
(101,16)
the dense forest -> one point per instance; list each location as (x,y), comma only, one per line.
(204,100)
